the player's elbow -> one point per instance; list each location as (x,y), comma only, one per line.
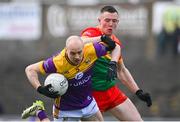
(28,69)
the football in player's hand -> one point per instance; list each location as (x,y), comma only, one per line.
(58,82)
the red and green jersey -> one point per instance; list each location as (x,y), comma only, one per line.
(100,68)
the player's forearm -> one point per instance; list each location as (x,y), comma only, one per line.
(116,53)
(125,76)
(32,76)
(90,40)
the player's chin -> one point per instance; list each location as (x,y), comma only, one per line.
(77,62)
(109,33)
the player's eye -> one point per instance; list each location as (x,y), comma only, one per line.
(115,20)
(107,20)
(80,52)
(72,53)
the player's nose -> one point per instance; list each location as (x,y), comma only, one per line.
(77,57)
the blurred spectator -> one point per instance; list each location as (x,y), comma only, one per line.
(177,31)
(168,36)
(177,41)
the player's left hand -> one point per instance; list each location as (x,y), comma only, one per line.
(112,71)
(144,97)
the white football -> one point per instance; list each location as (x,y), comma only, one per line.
(58,81)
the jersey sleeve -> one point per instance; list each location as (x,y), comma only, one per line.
(47,66)
(114,38)
(91,32)
(94,32)
(100,49)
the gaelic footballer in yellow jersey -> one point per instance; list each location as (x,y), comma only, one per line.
(79,93)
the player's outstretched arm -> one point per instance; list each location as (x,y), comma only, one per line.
(125,76)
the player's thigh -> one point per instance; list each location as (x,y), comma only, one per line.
(96,117)
(126,111)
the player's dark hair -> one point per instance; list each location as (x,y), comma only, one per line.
(109,9)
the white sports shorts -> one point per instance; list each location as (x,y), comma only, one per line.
(76,115)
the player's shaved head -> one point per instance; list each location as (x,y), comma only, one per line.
(74,49)
(74,42)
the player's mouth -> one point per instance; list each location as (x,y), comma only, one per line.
(109,30)
(77,61)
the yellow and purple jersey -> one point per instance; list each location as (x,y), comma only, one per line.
(79,93)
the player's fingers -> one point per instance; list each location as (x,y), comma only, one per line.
(149,101)
(49,86)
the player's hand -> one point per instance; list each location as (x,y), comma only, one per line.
(112,71)
(144,97)
(47,91)
(110,43)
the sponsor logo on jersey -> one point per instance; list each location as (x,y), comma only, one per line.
(82,81)
(79,75)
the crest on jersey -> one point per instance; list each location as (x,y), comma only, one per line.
(88,61)
(79,75)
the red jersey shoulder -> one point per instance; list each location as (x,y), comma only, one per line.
(113,37)
(91,32)
(94,32)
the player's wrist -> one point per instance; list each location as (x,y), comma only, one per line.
(113,62)
(39,89)
(139,92)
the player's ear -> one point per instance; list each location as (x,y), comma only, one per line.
(117,21)
(99,19)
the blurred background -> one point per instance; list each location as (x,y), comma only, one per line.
(32,30)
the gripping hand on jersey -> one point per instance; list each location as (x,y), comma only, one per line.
(112,71)
(46,90)
(109,42)
(144,97)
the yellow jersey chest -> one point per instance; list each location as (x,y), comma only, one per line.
(70,71)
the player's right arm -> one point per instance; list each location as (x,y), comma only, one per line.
(32,75)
